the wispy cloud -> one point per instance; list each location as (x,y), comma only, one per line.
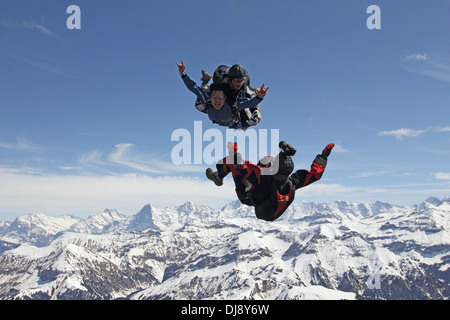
(373,174)
(442,175)
(42,65)
(27,25)
(93,157)
(416,57)
(402,133)
(22,145)
(36,26)
(123,156)
(340,149)
(126,156)
(427,65)
(443,129)
(34,60)
(30,56)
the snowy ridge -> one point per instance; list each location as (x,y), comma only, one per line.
(100,223)
(37,229)
(340,250)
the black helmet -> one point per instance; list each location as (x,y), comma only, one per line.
(237,71)
(219,73)
(285,168)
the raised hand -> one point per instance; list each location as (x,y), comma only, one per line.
(181,68)
(262,91)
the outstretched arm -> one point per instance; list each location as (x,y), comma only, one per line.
(190,84)
(245,103)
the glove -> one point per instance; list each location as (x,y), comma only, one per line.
(200,106)
(255,118)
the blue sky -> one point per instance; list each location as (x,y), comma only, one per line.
(86,116)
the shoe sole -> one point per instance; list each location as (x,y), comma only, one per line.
(211,176)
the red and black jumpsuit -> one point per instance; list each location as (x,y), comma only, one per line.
(271,195)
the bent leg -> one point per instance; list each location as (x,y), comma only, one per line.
(302,178)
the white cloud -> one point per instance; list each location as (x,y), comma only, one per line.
(423,64)
(46,62)
(339,149)
(27,190)
(93,157)
(402,133)
(326,189)
(21,145)
(400,194)
(21,192)
(442,175)
(26,24)
(36,26)
(42,65)
(399,134)
(122,156)
(443,129)
(416,57)
(100,184)
(373,173)
(126,156)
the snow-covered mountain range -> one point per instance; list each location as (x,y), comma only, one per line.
(339,250)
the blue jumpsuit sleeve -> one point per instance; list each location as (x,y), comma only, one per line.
(193,87)
(245,103)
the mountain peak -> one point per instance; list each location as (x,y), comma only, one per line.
(99,223)
(231,206)
(434,201)
(142,220)
(187,206)
(37,228)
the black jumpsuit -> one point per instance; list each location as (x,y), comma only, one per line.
(272,194)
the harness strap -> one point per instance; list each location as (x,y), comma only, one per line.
(248,167)
(282,202)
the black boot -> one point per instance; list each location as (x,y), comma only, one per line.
(206,76)
(326,152)
(214,176)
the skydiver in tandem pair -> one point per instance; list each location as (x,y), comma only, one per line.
(229,101)
(273,192)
